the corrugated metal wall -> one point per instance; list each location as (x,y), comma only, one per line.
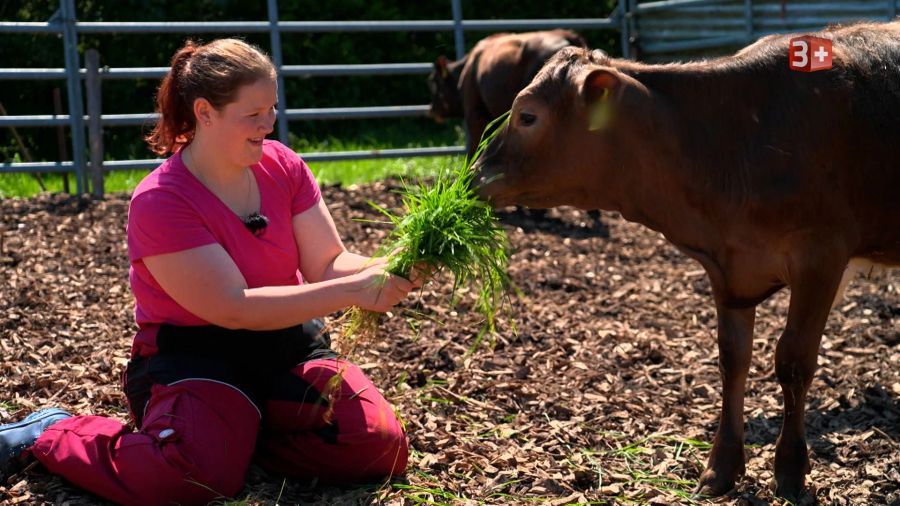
(685,29)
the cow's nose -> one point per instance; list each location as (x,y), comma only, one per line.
(476,174)
(480,190)
(479,179)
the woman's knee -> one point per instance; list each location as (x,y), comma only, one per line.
(390,452)
(205,432)
(355,425)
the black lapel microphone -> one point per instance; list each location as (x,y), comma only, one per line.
(256,223)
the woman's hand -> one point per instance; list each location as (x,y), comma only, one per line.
(379,291)
(421,273)
(375,262)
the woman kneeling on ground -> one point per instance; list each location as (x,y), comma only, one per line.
(233,255)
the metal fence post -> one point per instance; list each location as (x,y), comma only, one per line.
(458,34)
(95,128)
(61,137)
(460,43)
(634,47)
(748,19)
(73,86)
(275,36)
(624,15)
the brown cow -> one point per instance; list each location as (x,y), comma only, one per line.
(482,85)
(766,176)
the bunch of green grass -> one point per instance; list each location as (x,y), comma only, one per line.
(445,227)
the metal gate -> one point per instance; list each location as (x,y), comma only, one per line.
(679,29)
(64,23)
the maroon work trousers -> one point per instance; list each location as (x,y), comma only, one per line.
(198,435)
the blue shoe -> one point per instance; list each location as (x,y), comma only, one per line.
(17,437)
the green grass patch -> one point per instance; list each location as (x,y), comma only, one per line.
(437,400)
(395,135)
(9,407)
(657,462)
(27,185)
(417,494)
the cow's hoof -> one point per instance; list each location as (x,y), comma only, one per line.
(790,488)
(791,467)
(713,485)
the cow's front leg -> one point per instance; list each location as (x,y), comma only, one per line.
(726,460)
(795,365)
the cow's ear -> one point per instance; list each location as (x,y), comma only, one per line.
(441,66)
(598,86)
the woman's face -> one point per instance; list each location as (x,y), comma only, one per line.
(239,128)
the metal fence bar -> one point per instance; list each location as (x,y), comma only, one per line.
(275,37)
(32,74)
(683,35)
(390,111)
(29,27)
(361,69)
(821,7)
(109,27)
(690,23)
(538,24)
(385,153)
(325,113)
(73,86)
(643,8)
(7,167)
(333,156)
(806,21)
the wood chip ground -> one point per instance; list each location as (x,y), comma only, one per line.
(607,392)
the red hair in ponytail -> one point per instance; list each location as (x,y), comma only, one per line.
(213,71)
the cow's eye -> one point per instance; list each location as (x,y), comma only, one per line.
(526,119)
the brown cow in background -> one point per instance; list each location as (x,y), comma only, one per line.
(483,84)
(766,176)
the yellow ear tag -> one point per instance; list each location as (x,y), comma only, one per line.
(600,112)
(444,72)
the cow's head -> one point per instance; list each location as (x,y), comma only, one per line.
(443,82)
(565,138)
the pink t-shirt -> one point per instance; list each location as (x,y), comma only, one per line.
(172,211)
